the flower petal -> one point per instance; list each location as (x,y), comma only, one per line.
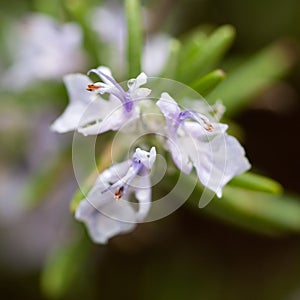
(168,106)
(143,195)
(218,161)
(134,84)
(103,215)
(110,84)
(136,93)
(198,131)
(157,46)
(112,118)
(84,107)
(114,173)
(101,227)
(146,158)
(236,162)
(46,50)
(141,93)
(109,123)
(180,155)
(104,73)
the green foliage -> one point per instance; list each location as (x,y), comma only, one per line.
(258,211)
(134,37)
(66,265)
(207,83)
(251,77)
(53,7)
(254,203)
(201,53)
(257,182)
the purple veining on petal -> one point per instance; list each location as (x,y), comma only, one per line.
(128,105)
(185,114)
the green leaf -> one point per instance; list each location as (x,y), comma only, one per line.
(52,8)
(205,84)
(190,52)
(64,268)
(256,182)
(210,51)
(134,37)
(257,73)
(257,211)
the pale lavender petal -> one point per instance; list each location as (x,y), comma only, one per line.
(219,161)
(108,21)
(143,195)
(109,123)
(168,106)
(102,214)
(156,53)
(46,50)
(135,91)
(105,216)
(180,155)
(104,88)
(112,119)
(145,157)
(134,84)
(106,75)
(76,86)
(101,226)
(114,173)
(140,93)
(196,130)
(236,162)
(84,107)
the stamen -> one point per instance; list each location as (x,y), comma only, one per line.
(201,119)
(93,87)
(114,89)
(119,193)
(208,126)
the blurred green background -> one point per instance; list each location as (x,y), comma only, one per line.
(191,254)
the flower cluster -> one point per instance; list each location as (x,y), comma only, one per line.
(106,218)
(194,139)
(89,113)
